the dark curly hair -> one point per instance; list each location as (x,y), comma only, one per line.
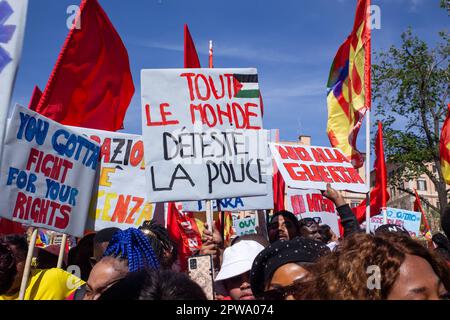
(8,268)
(343,273)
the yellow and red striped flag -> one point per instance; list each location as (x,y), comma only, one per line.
(444,148)
(349,87)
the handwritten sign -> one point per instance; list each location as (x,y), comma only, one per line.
(235,204)
(121,198)
(311,204)
(309,167)
(410,220)
(202,134)
(245,226)
(47,173)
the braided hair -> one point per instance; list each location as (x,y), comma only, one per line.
(160,241)
(131,244)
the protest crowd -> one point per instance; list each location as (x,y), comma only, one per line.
(84,215)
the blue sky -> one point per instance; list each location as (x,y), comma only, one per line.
(291,42)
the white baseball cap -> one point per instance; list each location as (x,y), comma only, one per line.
(238,259)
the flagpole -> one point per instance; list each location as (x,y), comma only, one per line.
(368,170)
(209,209)
(209,215)
(61,251)
(211,65)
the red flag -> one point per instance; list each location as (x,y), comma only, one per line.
(379,195)
(35,97)
(91,84)
(190,53)
(279,188)
(418,208)
(184,232)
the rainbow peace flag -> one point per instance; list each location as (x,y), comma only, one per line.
(349,87)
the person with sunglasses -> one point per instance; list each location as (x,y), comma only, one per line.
(309,228)
(279,268)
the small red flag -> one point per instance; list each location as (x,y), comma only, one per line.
(279,188)
(190,53)
(418,208)
(91,84)
(35,98)
(379,195)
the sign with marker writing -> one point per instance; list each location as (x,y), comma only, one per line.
(310,167)
(245,226)
(410,220)
(312,204)
(202,134)
(121,198)
(47,173)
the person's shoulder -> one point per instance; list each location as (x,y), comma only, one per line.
(63,275)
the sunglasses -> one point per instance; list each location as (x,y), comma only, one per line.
(281,293)
(310,221)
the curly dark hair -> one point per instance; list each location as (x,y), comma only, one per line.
(343,273)
(8,268)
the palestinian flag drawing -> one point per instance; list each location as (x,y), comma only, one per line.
(246,85)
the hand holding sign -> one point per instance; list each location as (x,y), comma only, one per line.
(334,196)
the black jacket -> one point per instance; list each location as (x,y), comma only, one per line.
(348,220)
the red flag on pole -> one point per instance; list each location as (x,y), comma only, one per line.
(91,84)
(279,188)
(190,53)
(379,195)
(418,208)
(35,97)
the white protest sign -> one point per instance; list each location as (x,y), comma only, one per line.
(311,167)
(47,174)
(120,200)
(312,204)
(232,204)
(202,134)
(410,220)
(245,226)
(235,204)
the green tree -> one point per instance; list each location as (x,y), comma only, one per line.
(410,93)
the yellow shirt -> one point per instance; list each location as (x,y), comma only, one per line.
(48,284)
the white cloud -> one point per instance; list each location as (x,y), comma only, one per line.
(242,51)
